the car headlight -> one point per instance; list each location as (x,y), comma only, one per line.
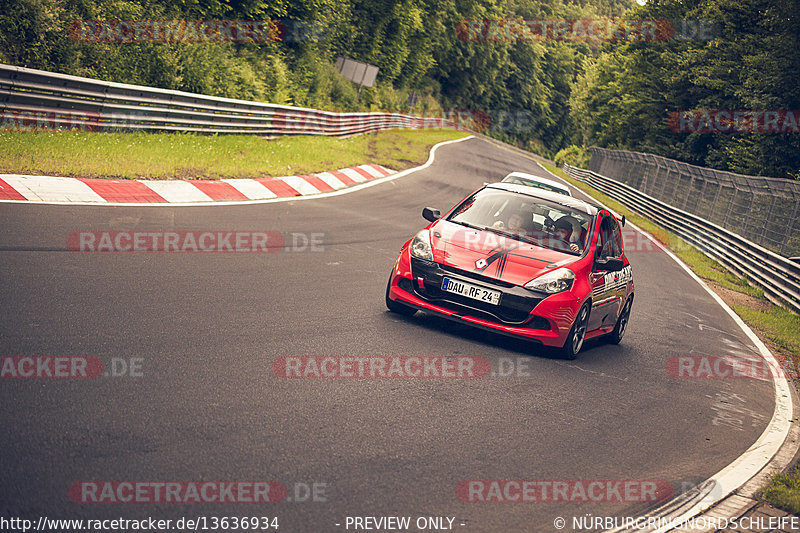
(421,246)
(556,281)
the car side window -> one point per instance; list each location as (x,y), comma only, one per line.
(616,238)
(602,240)
(609,241)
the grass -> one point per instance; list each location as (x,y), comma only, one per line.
(779,325)
(189,156)
(783,491)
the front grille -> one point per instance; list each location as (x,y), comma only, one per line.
(516,303)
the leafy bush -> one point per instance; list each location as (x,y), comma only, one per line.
(576,156)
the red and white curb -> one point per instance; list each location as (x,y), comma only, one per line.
(51,189)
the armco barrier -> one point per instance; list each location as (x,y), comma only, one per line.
(107,106)
(778,276)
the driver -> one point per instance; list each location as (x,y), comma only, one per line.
(565,228)
(515,221)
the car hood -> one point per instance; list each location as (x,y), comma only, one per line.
(492,255)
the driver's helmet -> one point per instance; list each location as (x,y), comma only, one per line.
(568,224)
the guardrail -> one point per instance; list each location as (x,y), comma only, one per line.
(762,209)
(45,98)
(778,276)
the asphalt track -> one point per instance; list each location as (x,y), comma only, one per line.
(208,406)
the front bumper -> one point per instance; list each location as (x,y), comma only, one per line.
(520,313)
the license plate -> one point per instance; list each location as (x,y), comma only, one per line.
(471,291)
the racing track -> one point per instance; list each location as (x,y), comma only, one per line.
(208,406)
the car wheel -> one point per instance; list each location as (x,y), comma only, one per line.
(622,323)
(397,307)
(577,334)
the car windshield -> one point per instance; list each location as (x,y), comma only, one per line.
(537,184)
(525,218)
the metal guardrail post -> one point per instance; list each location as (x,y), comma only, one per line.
(794,223)
(763,236)
(703,199)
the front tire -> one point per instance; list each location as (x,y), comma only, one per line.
(397,307)
(577,334)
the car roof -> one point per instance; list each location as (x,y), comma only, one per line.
(545,181)
(554,197)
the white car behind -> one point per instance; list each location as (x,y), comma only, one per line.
(529,180)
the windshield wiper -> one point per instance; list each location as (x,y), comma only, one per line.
(515,236)
(467,224)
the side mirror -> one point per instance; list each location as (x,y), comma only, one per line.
(430,214)
(611,265)
(623,221)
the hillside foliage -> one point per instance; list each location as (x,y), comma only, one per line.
(542,95)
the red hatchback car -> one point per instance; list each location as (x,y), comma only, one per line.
(519,261)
